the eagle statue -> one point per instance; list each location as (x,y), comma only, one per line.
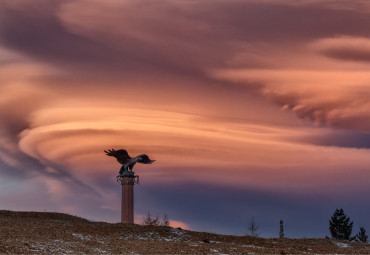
(127,161)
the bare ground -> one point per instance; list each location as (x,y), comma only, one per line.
(57,233)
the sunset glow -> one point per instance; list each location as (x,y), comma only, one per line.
(250,109)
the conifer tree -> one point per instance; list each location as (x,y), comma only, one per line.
(281,233)
(361,236)
(340,226)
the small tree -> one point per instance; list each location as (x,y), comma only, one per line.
(253,228)
(165,220)
(151,221)
(281,232)
(340,226)
(361,236)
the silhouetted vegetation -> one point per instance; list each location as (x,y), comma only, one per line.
(149,220)
(340,226)
(165,220)
(252,228)
(361,236)
(281,232)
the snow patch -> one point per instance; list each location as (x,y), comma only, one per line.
(342,245)
(216,251)
(177,231)
(82,237)
(100,251)
(252,246)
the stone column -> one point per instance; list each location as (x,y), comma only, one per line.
(127,206)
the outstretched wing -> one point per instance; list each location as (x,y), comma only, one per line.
(144,159)
(121,155)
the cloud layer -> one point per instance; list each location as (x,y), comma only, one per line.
(249,107)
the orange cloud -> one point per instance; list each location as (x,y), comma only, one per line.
(327,91)
(211,91)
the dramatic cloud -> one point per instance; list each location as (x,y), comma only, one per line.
(250,108)
(333,98)
(345,48)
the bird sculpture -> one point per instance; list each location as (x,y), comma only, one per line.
(127,162)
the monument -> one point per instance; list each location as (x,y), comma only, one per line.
(127,178)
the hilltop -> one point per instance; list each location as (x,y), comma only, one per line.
(57,233)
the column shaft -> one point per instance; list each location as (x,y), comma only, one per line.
(127,206)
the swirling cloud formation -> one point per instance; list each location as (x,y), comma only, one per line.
(248,107)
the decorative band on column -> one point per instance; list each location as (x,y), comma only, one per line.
(128,180)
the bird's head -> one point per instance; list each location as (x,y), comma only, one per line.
(145,159)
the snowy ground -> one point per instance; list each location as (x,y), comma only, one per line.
(52,233)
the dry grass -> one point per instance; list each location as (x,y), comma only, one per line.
(56,233)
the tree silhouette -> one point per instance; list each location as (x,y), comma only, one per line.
(151,221)
(340,226)
(281,232)
(253,228)
(165,220)
(361,236)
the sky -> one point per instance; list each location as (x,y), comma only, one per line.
(251,108)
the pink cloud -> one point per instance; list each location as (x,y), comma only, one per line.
(344,48)
(246,95)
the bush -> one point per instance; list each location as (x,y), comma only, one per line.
(150,221)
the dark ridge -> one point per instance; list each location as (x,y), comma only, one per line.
(40,215)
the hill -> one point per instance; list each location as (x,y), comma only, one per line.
(57,233)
